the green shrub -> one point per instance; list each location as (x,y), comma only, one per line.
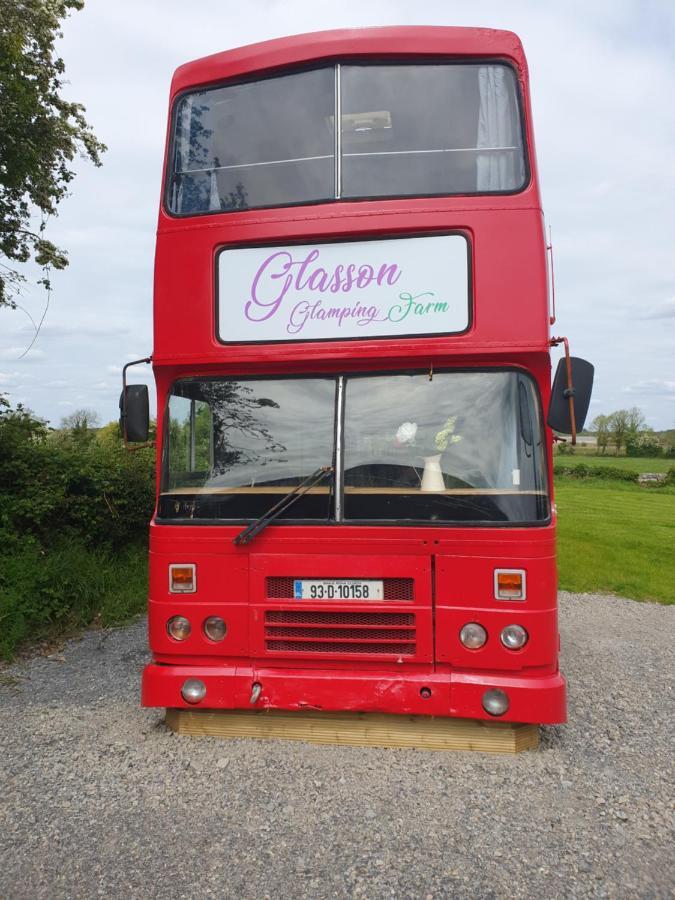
(564,448)
(74,512)
(51,487)
(643,444)
(608,473)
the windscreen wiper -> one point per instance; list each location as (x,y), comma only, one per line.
(287,501)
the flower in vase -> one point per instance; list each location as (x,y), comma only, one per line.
(429,442)
(406,434)
(446,435)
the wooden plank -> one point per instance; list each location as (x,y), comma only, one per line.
(357,729)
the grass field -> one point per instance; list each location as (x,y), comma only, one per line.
(630,463)
(616,537)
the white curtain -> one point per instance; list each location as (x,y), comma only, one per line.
(498,127)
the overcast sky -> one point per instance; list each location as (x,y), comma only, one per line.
(603,85)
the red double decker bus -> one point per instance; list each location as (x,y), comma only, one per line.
(352,358)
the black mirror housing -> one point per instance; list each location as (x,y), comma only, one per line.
(559,408)
(135,413)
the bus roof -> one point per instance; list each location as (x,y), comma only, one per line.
(394,42)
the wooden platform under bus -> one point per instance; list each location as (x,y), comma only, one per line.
(357,729)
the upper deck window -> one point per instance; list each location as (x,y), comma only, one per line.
(263,143)
(416,130)
(405,130)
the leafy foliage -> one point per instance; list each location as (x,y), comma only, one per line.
(49,487)
(626,430)
(643,443)
(71,507)
(40,134)
(44,593)
(610,473)
(601,428)
(623,424)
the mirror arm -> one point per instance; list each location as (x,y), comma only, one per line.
(127,446)
(569,393)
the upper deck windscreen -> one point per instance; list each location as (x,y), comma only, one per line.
(406,130)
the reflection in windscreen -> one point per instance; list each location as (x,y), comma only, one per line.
(236,447)
(464,446)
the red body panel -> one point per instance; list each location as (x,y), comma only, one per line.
(450,568)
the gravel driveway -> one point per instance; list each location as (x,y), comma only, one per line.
(98,799)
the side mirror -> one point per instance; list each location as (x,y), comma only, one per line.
(135,413)
(559,412)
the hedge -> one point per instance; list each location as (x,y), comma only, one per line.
(606,473)
(74,512)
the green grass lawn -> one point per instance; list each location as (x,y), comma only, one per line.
(616,537)
(630,463)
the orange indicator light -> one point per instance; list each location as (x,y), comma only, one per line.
(182,579)
(509,584)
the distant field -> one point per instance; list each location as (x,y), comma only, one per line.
(616,537)
(632,464)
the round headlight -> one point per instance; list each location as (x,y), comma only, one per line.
(193,690)
(179,628)
(495,702)
(215,628)
(473,635)
(513,637)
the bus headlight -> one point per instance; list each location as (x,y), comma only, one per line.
(473,635)
(513,637)
(179,628)
(215,628)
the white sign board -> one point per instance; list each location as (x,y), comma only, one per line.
(353,289)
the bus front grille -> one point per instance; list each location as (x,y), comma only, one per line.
(363,633)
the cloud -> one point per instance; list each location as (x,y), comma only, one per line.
(12,354)
(663,310)
(600,189)
(655,386)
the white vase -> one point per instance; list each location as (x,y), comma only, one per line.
(432,476)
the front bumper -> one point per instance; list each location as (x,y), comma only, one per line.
(537,699)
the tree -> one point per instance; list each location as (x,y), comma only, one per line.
(18,425)
(40,134)
(601,428)
(618,427)
(79,425)
(635,420)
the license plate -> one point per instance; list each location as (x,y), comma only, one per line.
(311,589)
